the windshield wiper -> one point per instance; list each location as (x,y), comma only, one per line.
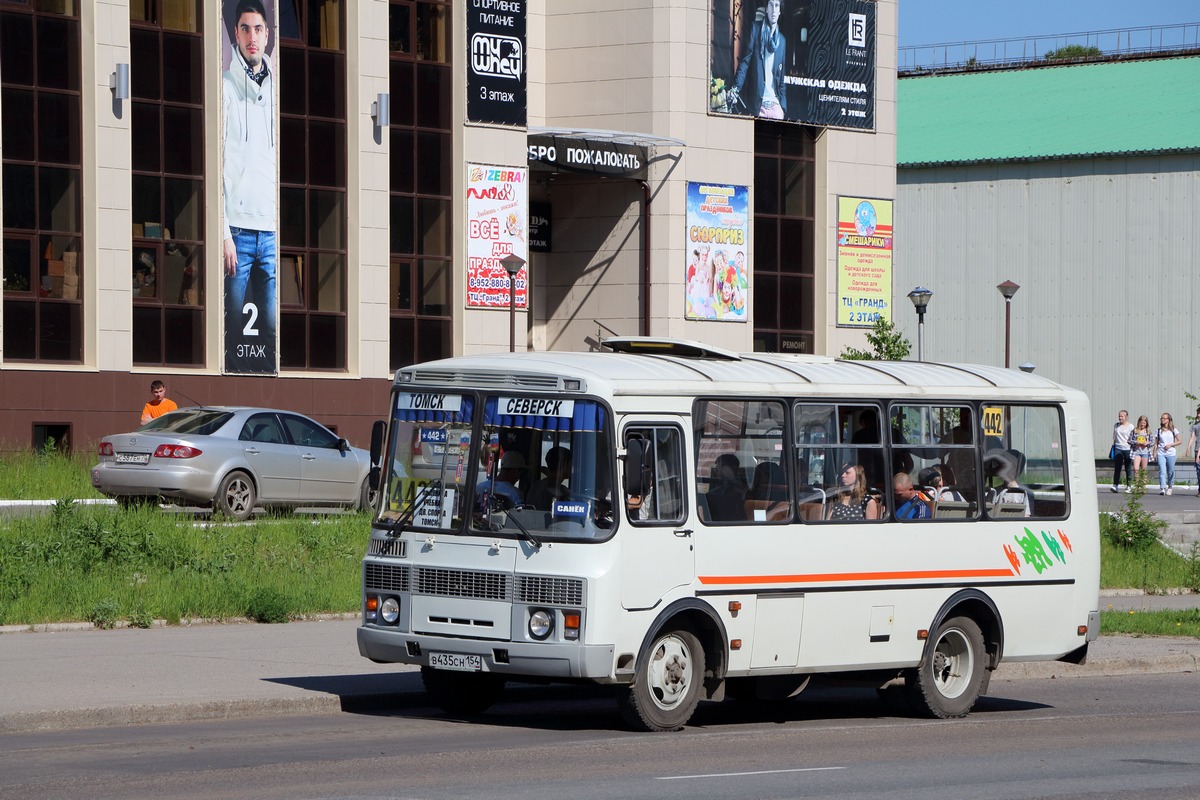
(396,528)
(526,534)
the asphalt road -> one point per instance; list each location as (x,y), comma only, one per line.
(1127,737)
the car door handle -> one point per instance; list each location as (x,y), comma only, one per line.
(684,533)
(308,457)
(252,451)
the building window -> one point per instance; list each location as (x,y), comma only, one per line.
(41,144)
(312,193)
(422,283)
(167,128)
(783,255)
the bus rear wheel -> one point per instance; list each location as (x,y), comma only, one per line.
(948,680)
(667,685)
(462,693)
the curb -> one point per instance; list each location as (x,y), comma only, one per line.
(60,627)
(331,704)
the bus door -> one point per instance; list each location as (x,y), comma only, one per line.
(657,549)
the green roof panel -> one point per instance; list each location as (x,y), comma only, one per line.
(1117,107)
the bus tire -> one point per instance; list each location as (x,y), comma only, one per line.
(667,685)
(462,693)
(948,680)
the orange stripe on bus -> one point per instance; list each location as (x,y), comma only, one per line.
(858,576)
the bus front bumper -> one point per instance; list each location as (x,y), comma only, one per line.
(552,660)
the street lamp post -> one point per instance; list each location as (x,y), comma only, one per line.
(920,299)
(1008,289)
(512,264)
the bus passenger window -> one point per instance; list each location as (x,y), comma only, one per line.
(740,468)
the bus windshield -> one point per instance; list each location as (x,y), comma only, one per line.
(512,465)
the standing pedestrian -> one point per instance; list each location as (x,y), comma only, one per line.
(1165,441)
(1142,446)
(159,403)
(1120,449)
(1194,446)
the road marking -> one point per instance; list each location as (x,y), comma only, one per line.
(740,774)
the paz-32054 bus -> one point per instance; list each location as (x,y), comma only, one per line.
(684,523)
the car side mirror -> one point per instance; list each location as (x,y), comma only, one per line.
(343,445)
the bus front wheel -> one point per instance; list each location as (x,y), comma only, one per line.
(667,685)
(948,680)
(462,693)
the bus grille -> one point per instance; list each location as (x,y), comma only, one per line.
(549,591)
(385,577)
(461,583)
(387,547)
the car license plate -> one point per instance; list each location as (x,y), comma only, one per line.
(456,662)
(132,458)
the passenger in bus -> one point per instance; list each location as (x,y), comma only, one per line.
(852,501)
(910,504)
(726,494)
(553,486)
(501,490)
(868,433)
(1006,466)
(768,495)
(941,488)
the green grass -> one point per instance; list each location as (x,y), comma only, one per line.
(25,475)
(1154,569)
(108,564)
(1152,623)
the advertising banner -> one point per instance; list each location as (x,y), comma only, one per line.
(496,61)
(807,61)
(249,190)
(718,227)
(497,216)
(864,254)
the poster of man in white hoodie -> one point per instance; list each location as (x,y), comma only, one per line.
(250,188)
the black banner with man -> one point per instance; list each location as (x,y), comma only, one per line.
(810,61)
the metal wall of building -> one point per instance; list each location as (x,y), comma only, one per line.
(1107,256)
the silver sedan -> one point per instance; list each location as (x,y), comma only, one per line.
(233,459)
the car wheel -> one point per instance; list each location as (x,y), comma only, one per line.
(366,496)
(235,496)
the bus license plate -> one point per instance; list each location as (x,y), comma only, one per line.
(456,662)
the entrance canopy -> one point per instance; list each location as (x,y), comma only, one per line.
(615,153)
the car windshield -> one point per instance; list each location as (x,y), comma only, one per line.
(193,421)
(540,467)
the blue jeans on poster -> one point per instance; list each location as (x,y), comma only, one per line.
(256,271)
(1166,471)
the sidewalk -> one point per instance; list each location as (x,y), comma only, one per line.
(91,678)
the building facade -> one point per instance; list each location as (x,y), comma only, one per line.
(1078,183)
(612,134)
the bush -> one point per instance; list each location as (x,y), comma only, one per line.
(104,614)
(269,605)
(1134,527)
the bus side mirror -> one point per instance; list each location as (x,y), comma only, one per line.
(377,433)
(637,456)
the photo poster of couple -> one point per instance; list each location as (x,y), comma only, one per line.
(718,227)
(804,61)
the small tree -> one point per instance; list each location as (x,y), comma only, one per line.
(887,344)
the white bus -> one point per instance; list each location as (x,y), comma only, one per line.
(685,523)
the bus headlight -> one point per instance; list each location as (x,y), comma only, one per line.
(541,623)
(390,610)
